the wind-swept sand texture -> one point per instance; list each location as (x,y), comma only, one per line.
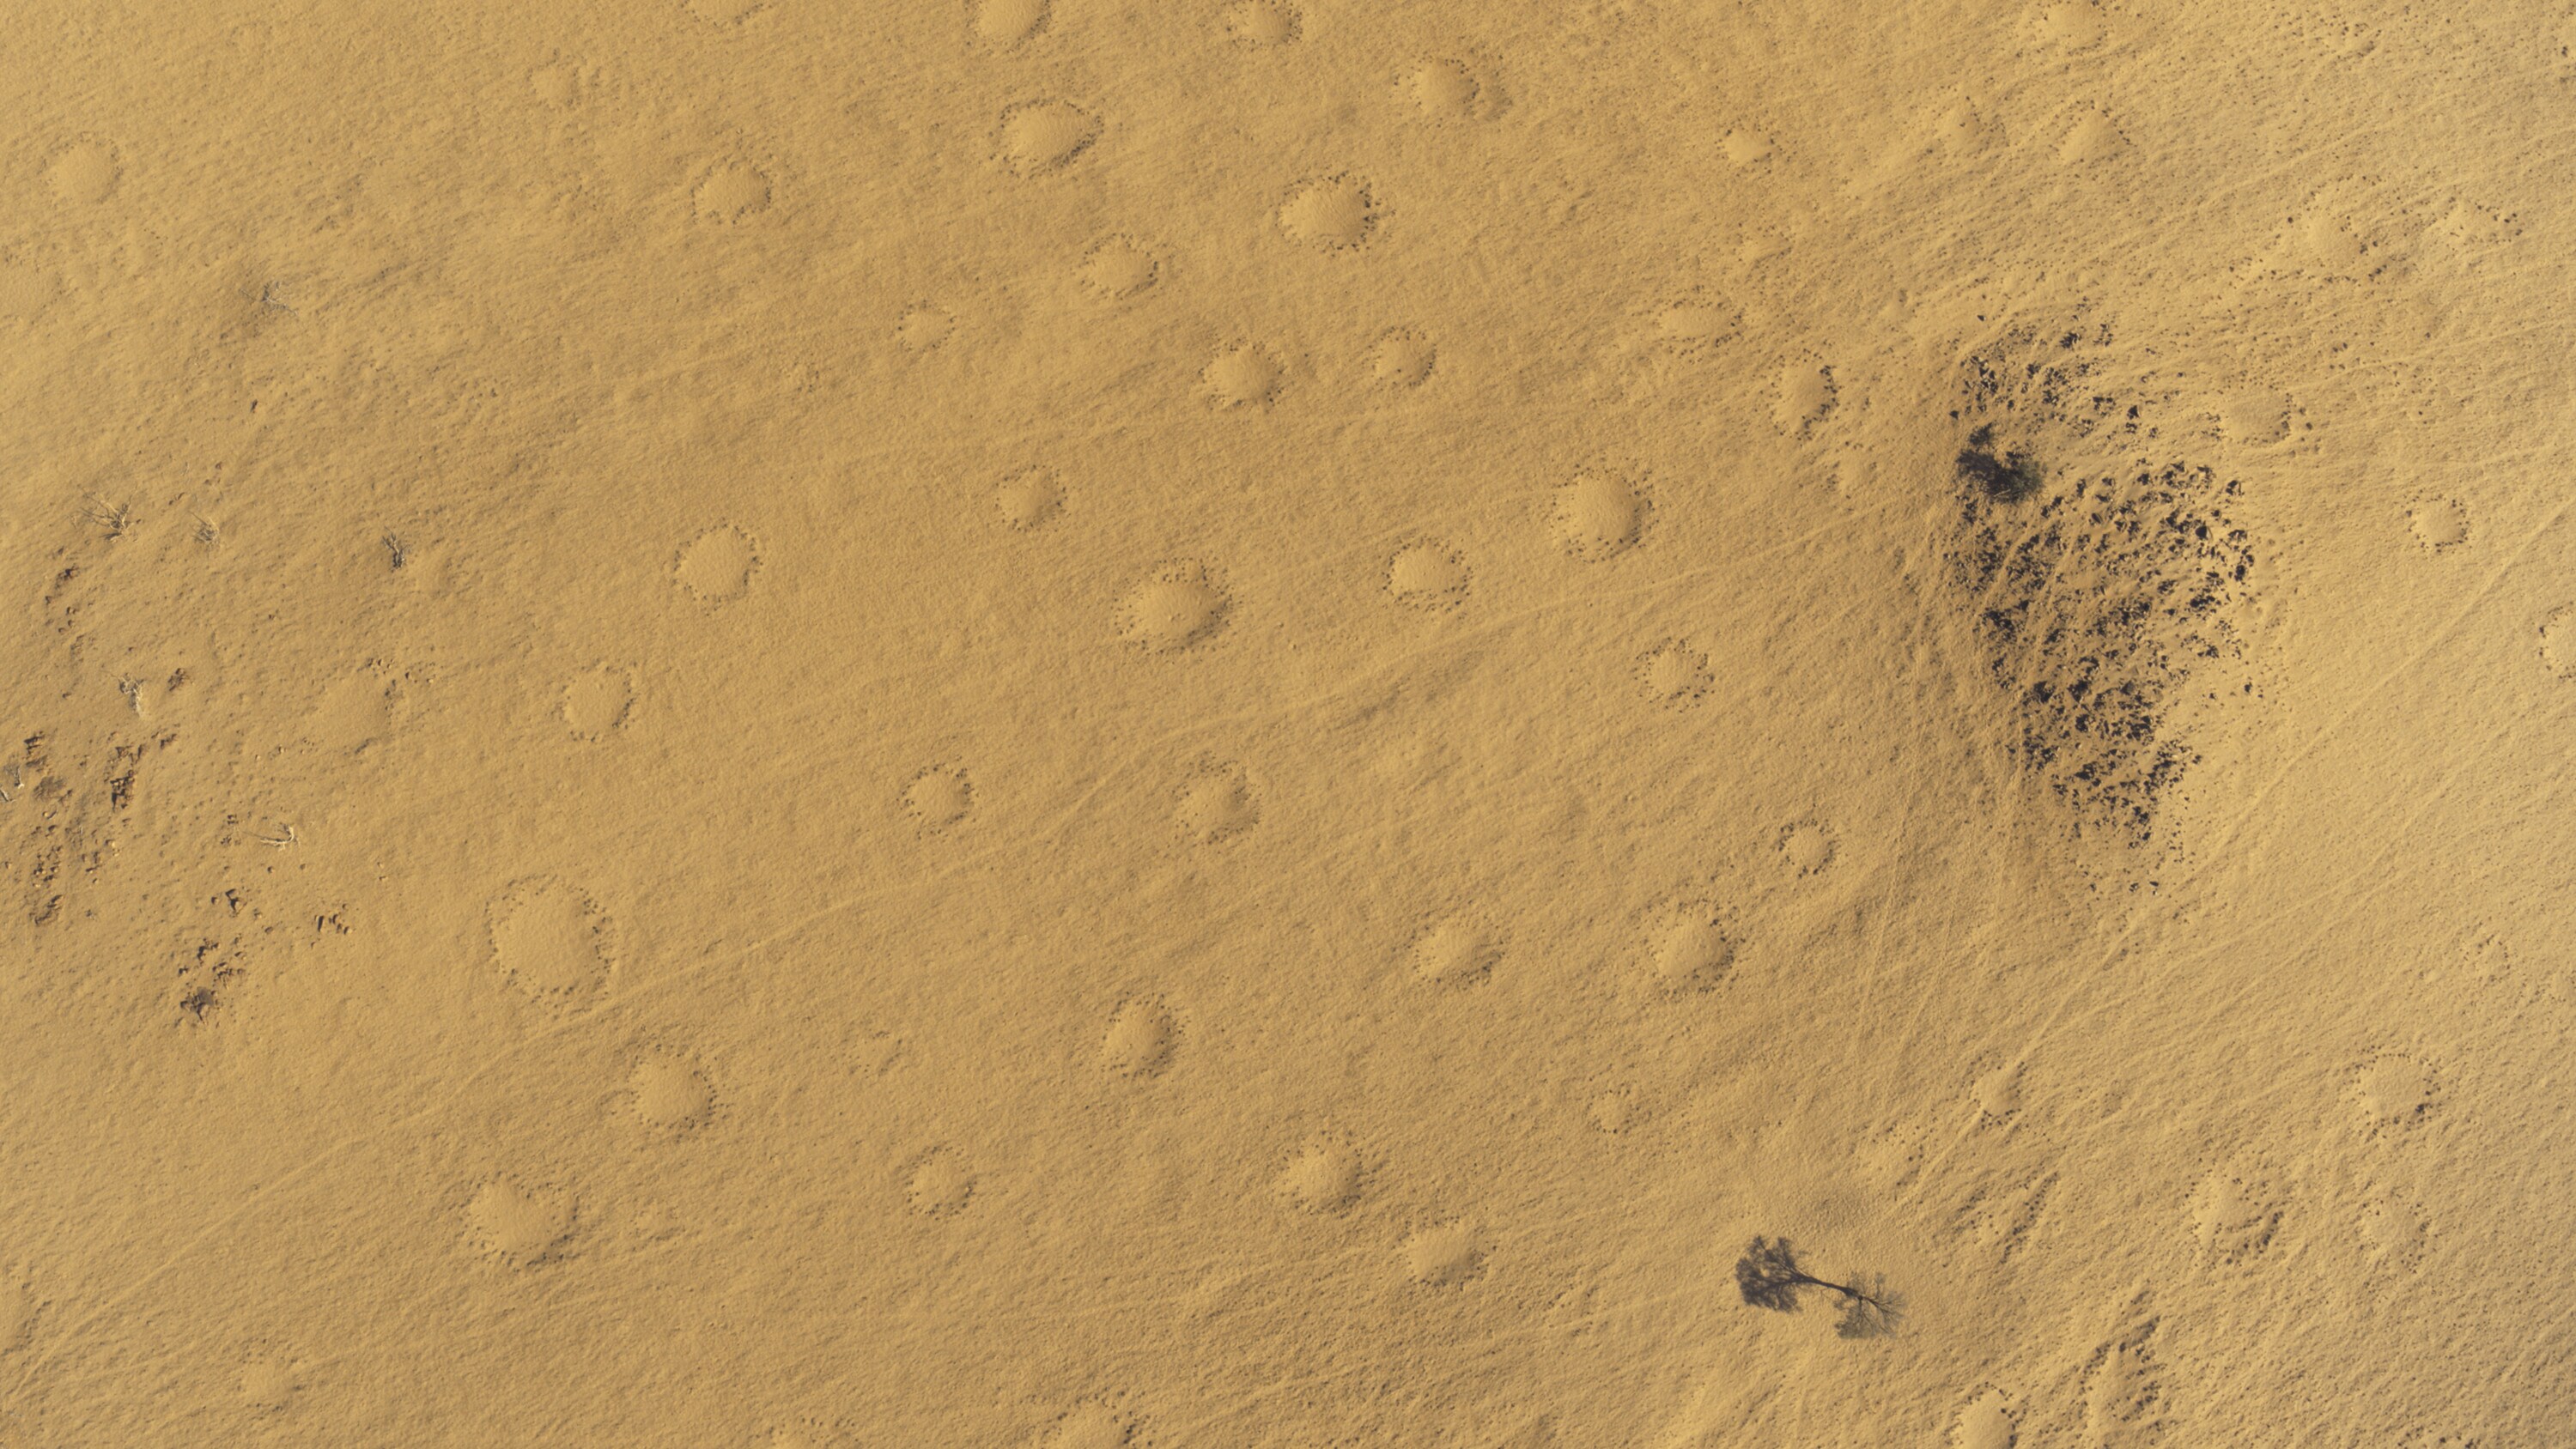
(1100,725)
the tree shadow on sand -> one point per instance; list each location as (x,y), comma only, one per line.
(1770,1277)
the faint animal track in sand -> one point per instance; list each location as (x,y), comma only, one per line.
(1688,947)
(1041,137)
(84,173)
(1216,803)
(1093,1426)
(1674,673)
(939,797)
(550,940)
(1334,213)
(1142,1039)
(939,1184)
(1325,1176)
(520,1225)
(732,191)
(2393,1090)
(2439,524)
(1458,950)
(1178,606)
(670,1095)
(2235,1213)
(1261,24)
(1600,514)
(596,702)
(1029,498)
(1428,574)
(2105,590)
(717,566)
(1402,359)
(1117,268)
(1805,393)
(1986,1423)
(1444,1256)
(1444,90)
(1243,375)
(724,12)
(923,326)
(1806,847)
(1005,24)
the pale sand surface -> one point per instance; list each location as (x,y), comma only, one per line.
(1074,723)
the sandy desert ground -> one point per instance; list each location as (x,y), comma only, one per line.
(1075,723)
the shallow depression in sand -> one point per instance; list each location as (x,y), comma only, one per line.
(550,939)
(1332,213)
(1428,575)
(1038,137)
(1065,724)
(1174,609)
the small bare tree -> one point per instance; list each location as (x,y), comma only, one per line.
(1770,1277)
(2005,477)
